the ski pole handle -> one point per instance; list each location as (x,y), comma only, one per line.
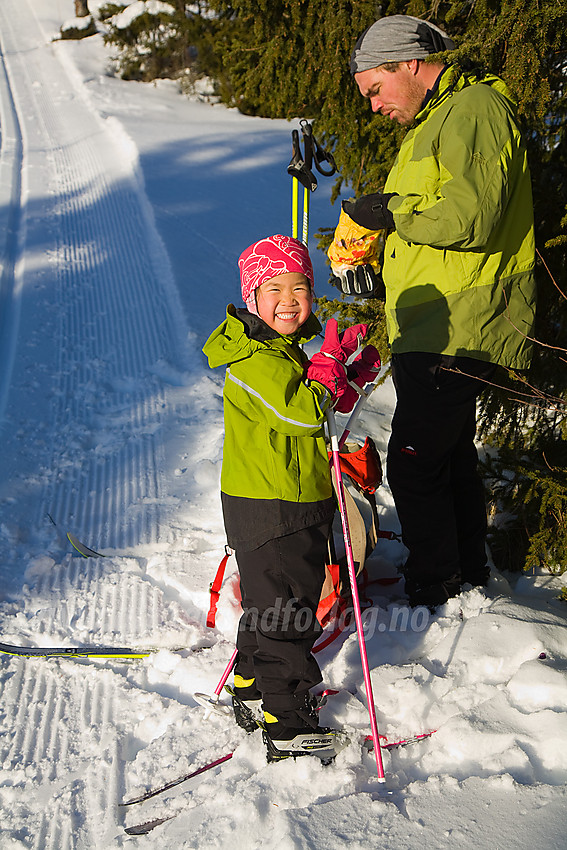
(369,389)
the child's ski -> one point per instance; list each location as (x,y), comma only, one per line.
(73,651)
(393,745)
(82,548)
(144,828)
(154,792)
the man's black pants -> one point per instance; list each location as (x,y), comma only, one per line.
(432,469)
(281,585)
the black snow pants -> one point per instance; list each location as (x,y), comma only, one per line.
(281,585)
(432,471)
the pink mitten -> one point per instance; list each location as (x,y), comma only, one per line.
(361,371)
(329,372)
(328,365)
(342,346)
(365,367)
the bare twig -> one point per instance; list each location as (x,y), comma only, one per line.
(530,338)
(554,282)
(551,402)
(551,468)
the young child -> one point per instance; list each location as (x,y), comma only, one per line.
(276,488)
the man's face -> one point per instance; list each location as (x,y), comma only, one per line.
(397,94)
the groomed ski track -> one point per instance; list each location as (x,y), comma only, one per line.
(83,267)
(105,285)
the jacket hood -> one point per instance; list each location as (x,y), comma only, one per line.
(242,333)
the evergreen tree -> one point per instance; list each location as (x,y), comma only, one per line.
(172,40)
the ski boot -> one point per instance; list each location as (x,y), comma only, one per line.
(297,733)
(246,703)
(284,742)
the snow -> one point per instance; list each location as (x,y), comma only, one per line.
(134,10)
(123,209)
(77,24)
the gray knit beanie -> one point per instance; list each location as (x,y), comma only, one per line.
(397,38)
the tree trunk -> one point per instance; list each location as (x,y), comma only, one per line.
(81,8)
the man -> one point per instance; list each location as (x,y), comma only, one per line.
(458,274)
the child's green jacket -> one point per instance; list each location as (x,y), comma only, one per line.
(274,456)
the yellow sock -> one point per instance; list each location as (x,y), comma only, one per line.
(239,682)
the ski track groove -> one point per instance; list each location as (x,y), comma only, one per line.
(111,321)
(48,832)
(45,729)
(113,326)
(94,601)
(40,838)
(61,723)
(31,740)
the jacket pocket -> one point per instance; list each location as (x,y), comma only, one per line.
(284,464)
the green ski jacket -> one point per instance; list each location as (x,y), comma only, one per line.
(274,456)
(458,269)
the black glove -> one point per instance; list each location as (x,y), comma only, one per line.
(360,281)
(371,211)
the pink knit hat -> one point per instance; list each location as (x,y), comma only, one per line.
(268,258)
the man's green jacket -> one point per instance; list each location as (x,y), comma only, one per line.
(458,268)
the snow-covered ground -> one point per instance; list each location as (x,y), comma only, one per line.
(123,209)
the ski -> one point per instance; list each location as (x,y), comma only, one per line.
(148,826)
(147,795)
(144,828)
(73,651)
(81,548)
(393,745)
(414,739)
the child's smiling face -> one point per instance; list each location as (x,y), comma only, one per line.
(284,302)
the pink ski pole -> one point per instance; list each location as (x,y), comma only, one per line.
(331,424)
(208,701)
(226,674)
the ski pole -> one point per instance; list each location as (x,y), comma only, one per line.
(294,206)
(305,232)
(300,170)
(332,426)
(226,674)
(307,131)
(210,702)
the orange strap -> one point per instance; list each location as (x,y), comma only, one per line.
(327,604)
(341,620)
(214,589)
